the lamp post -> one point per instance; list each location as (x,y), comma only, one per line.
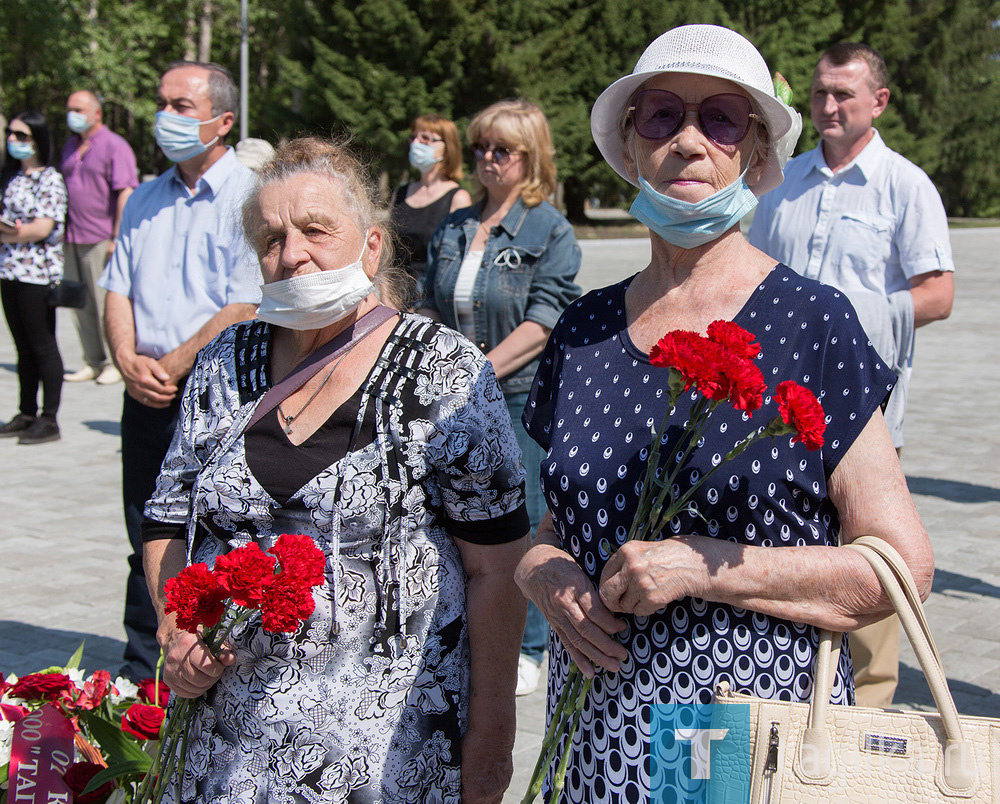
(244,70)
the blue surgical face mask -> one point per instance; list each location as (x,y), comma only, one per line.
(20,150)
(179,137)
(691,224)
(77,122)
(422,156)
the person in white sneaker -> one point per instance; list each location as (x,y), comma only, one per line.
(100,172)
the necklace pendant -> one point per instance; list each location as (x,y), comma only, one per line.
(288,427)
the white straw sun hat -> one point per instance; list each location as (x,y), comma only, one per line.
(702,50)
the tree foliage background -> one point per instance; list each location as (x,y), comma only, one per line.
(367,67)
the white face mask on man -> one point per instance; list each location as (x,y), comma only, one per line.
(316,300)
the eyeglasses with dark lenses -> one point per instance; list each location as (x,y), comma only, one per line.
(20,136)
(501,153)
(658,114)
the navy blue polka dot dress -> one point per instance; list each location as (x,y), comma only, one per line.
(594,402)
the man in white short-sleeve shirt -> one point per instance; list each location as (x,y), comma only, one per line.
(856,215)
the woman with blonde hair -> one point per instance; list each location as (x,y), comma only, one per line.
(501,272)
(418,207)
(384,438)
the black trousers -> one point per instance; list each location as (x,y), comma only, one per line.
(146,436)
(32,325)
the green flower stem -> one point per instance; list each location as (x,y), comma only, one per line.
(549,743)
(181,753)
(576,714)
(644,508)
(220,635)
(681,504)
(699,423)
(649,480)
(564,723)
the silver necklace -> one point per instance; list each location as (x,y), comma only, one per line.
(288,420)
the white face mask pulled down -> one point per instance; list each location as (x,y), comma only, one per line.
(315,300)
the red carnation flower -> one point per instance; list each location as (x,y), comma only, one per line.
(78,776)
(143,721)
(94,691)
(800,409)
(287,602)
(691,355)
(153,692)
(196,596)
(301,559)
(734,337)
(244,573)
(666,353)
(42,687)
(743,384)
(716,370)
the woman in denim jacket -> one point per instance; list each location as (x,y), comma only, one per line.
(501,272)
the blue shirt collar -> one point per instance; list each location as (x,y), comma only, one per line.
(215,177)
(867,161)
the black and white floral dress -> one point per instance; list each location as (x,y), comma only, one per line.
(367,702)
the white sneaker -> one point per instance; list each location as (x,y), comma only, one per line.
(86,374)
(109,375)
(528,672)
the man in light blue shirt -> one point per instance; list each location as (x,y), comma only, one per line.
(180,274)
(858,216)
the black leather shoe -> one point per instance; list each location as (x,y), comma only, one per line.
(16,426)
(42,430)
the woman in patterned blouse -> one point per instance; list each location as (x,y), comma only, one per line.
(755,567)
(400,461)
(32,219)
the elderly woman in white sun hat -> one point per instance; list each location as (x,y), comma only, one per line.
(739,591)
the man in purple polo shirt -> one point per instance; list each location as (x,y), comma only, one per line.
(99,167)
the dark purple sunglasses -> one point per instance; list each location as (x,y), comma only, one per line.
(658,114)
(501,153)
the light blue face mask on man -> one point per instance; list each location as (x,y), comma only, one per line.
(691,224)
(179,137)
(77,122)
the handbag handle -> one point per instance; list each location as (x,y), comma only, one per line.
(960,769)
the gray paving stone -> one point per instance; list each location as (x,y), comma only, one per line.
(63,545)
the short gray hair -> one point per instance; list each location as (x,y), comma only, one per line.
(222,89)
(337,162)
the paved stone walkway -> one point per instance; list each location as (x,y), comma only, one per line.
(62,541)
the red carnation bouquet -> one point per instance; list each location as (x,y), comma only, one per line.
(277,584)
(720,367)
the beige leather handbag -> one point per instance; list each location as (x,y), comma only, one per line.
(819,752)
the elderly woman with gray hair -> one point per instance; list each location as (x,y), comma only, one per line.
(397,457)
(756,565)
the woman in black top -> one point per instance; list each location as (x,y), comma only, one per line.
(419,206)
